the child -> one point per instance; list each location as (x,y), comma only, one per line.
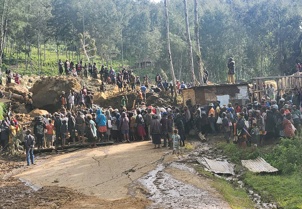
(255,133)
(176,142)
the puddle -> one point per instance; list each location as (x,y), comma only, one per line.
(167,192)
(29,184)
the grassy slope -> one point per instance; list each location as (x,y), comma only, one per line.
(235,196)
(283,188)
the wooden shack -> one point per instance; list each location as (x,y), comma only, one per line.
(225,93)
(284,84)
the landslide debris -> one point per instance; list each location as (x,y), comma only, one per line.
(47,90)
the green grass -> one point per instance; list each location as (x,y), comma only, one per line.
(236,154)
(235,196)
(49,65)
(2,111)
(284,188)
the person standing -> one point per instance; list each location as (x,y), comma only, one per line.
(124,127)
(71,126)
(39,129)
(164,128)
(101,122)
(80,126)
(155,130)
(57,126)
(64,132)
(49,133)
(140,125)
(29,143)
(60,65)
(144,90)
(70,100)
(231,72)
(124,101)
(91,131)
(179,124)
(176,142)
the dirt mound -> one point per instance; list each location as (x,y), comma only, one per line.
(114,101)
(38,112)
(17,89)
(161,99)
(23,118)
(46,91)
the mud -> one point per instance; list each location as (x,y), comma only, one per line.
(166,191)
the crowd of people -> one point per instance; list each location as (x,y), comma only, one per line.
(125,79)
(80,121)
(255,122)
(167,126)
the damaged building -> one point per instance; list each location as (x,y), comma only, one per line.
(225,93)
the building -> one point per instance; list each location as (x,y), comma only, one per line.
(225,93)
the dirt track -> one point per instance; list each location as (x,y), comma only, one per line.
(120,176)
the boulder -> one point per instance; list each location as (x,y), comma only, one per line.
(47,90)
(38,112)
(17,107)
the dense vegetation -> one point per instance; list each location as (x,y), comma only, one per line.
(264,37)
(286,186)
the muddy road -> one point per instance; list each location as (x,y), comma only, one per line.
(132,176)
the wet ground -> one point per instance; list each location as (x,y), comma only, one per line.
(120,176)
(168,187)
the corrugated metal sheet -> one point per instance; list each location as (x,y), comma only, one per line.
(259,165)
(218,167)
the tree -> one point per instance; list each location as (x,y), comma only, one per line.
(189,42)
(169,48)
(200,65)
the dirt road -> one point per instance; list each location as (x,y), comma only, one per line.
(121,176)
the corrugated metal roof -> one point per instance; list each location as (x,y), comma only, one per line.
(218,167)
(258,165)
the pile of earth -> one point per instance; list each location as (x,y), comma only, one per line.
(46,92)
(162,99)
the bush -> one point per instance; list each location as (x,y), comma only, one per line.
(237,154)
(287,156)
(2,110)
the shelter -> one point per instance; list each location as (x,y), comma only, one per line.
(284,83)
(225,93)
(143,64)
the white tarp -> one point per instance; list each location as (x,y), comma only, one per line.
(258,165)
(224,100)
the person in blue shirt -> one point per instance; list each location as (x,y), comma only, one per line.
(101,122)
(144,90)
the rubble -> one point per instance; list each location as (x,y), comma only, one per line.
(38,112)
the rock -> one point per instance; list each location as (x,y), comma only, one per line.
(17,89)
(38,112)
(46,91)
(23,117)
(19,108)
